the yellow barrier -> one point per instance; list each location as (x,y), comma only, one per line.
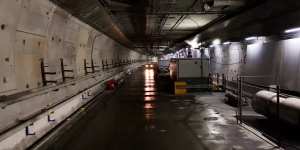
(180,88)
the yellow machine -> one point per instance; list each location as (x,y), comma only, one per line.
(180,87)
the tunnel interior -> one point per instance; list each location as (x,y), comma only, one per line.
(149,74)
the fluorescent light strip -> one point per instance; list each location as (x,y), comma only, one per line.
(226,43)
(292,30)
(216,42)
(251,38)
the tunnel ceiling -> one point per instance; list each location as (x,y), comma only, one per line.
(151,25)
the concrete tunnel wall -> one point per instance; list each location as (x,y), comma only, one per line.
(278,59)
(35,29)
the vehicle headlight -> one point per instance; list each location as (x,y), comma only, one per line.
(151,65)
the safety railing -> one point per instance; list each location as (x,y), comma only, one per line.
(263,108)
(217,81)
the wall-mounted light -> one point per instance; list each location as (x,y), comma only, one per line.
(216,42)
(256,39)
(194,42)
(292,30)
(226,43)
(251,38)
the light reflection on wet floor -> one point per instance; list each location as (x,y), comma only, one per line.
(149,89)
(143,115)
(149,94)
(149,98)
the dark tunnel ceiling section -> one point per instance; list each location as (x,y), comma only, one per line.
(151,25)
(268,19)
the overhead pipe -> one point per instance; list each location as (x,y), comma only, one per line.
(265,103)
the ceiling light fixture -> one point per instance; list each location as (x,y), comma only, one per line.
(216,42)
(251,38)
(194,42)
(226,43)
(292,30)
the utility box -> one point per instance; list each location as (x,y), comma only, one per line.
(189,68)
(194,71)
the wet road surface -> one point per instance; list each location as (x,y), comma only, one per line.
(139,116)
(143,115)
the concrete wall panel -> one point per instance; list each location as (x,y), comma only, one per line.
(31,30)
(227,59)
(278,60)
(36,29)
(9,17)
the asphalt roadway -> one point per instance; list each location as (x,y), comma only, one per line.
(143,115)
